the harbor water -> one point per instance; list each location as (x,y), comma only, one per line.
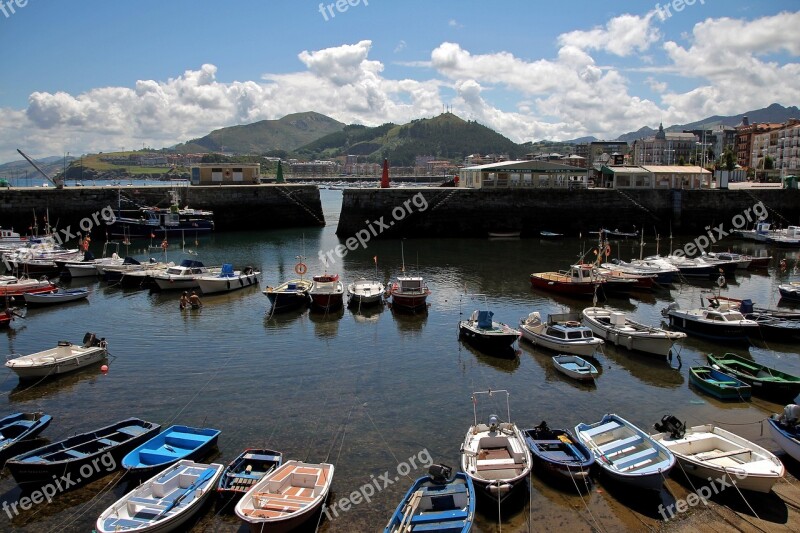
(374,392)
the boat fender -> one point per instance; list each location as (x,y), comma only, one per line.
(229,285)
(241,282)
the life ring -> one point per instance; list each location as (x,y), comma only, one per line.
(164,244)
(608,249)
(300,268)
(783,265)
(721,281)
(573,323)
(228,173)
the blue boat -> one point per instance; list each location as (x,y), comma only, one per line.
(626,453)
(19,427)
(169,447)
(247,470)
(559,455)
(436,502)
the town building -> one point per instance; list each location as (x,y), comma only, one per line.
(225,173)
(527,174)
(655,177)
(781,145)
(665,148)
(746,153)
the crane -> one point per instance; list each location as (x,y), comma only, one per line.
(58,182)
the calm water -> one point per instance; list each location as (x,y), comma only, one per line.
(363,391)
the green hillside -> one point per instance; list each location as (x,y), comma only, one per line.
(287,133)
(444,137)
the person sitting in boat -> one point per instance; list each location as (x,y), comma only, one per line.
(184,300)
(194,301)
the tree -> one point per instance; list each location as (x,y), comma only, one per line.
(729,159)
(681,161)
(769,164)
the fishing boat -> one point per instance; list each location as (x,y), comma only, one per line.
(409,293)
(785,429)
(164,502)
(145,277)
(580,281)
(58,297)
(228,279)
(89,266)
(766,382)
(558,455)
(790,291)
(718,384)
(145,221)
(616,328)
(363,292)
(65,357)
(183,276)
(494,455)
(560,333)
(113,273)
(172,445)
(721,324)
(246,470)
(626,453)
(438,501)
(327,293)
(708,451)
(287,497)
(290,295)
(743,262)
(18,427)
(575,367)
(665,272)
(83,452)
(14,287)
(485,334)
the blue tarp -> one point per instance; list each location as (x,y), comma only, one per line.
(485,319)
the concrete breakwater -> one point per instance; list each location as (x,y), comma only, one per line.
(455,212)
(236,207)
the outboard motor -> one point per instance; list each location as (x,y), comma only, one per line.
(673,426)
(440,474)
(791,415)
(88,340)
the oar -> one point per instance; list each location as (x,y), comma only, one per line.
(566,440)
(208,474)
(408,512)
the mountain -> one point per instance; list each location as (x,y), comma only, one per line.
(52,165)
(446,136)
(582,140)
(287,133)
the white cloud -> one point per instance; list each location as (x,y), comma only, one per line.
(622,35)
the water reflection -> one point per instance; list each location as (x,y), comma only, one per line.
(326,325)
(648,369)
(507,361)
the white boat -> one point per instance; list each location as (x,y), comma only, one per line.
(228,279)
(365,292)
(785,428)
(723,323)
(575,367)
(620,330)
(183,276)
(286,497)
(164,502)
(65,357)
(563,336)
(58,297)
(495,455)
(626,453)
(742,261)
(83,269)
(708,451)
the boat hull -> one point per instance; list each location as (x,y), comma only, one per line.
(576,348)
(566,464)
(652,341)
(570,288)
(718,384)
(326,302)
(788,442)
(19,427)
(59,297)
(218,284)
(780,391)
(405,302)
(489,342)
(173,283)
(576,368)
(49,367)
(455,514)
(236,479)
(719,332)
(176,443)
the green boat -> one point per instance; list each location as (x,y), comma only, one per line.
(718,384)
(766,382)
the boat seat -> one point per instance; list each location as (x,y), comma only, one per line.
(716,382)
(123,524)
(608,426)
(185,440)
(619,445)
(706,456)
(260,457)
(106,442)
(630,461)
(548,442)
(444,490)
(75,453)
(440,516)
(448,526)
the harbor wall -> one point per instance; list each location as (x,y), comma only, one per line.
(460,212)
(236,207)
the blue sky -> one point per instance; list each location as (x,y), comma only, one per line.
(100,75)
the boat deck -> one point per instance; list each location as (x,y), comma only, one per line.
(290,490)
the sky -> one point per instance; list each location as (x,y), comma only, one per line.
(98,75)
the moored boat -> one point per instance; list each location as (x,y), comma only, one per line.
(626,453)
(721,324)
(560,333)
(409,293)
(558,454)
(287,497)
(289,295)
(718,384)
(766,382)
(438,501)
(246,470)
(164,502)
(579,281)
(183,276)
(18,427)
(494,455)
(790,291)
(616,328)
(228,279)
(13,287)
(327,293)
(104,446)
(60,296)
(170,446)
(708,451)
(785,429)
(364,292)
(487,335)
(65,357)
(575,367)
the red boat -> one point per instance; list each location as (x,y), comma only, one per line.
(409,293)
(11,286)
(580,280)
(327,293)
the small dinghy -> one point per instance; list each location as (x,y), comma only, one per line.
(767,382)
(18,427)
(59,297)
(718,384)
(559,455)
(65,357)
(436,502)
(247,470)
(626,453)
(164,502)
(709,451)
(287,497)
(575,367)
(292,294)
(785,428)
(172,445)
